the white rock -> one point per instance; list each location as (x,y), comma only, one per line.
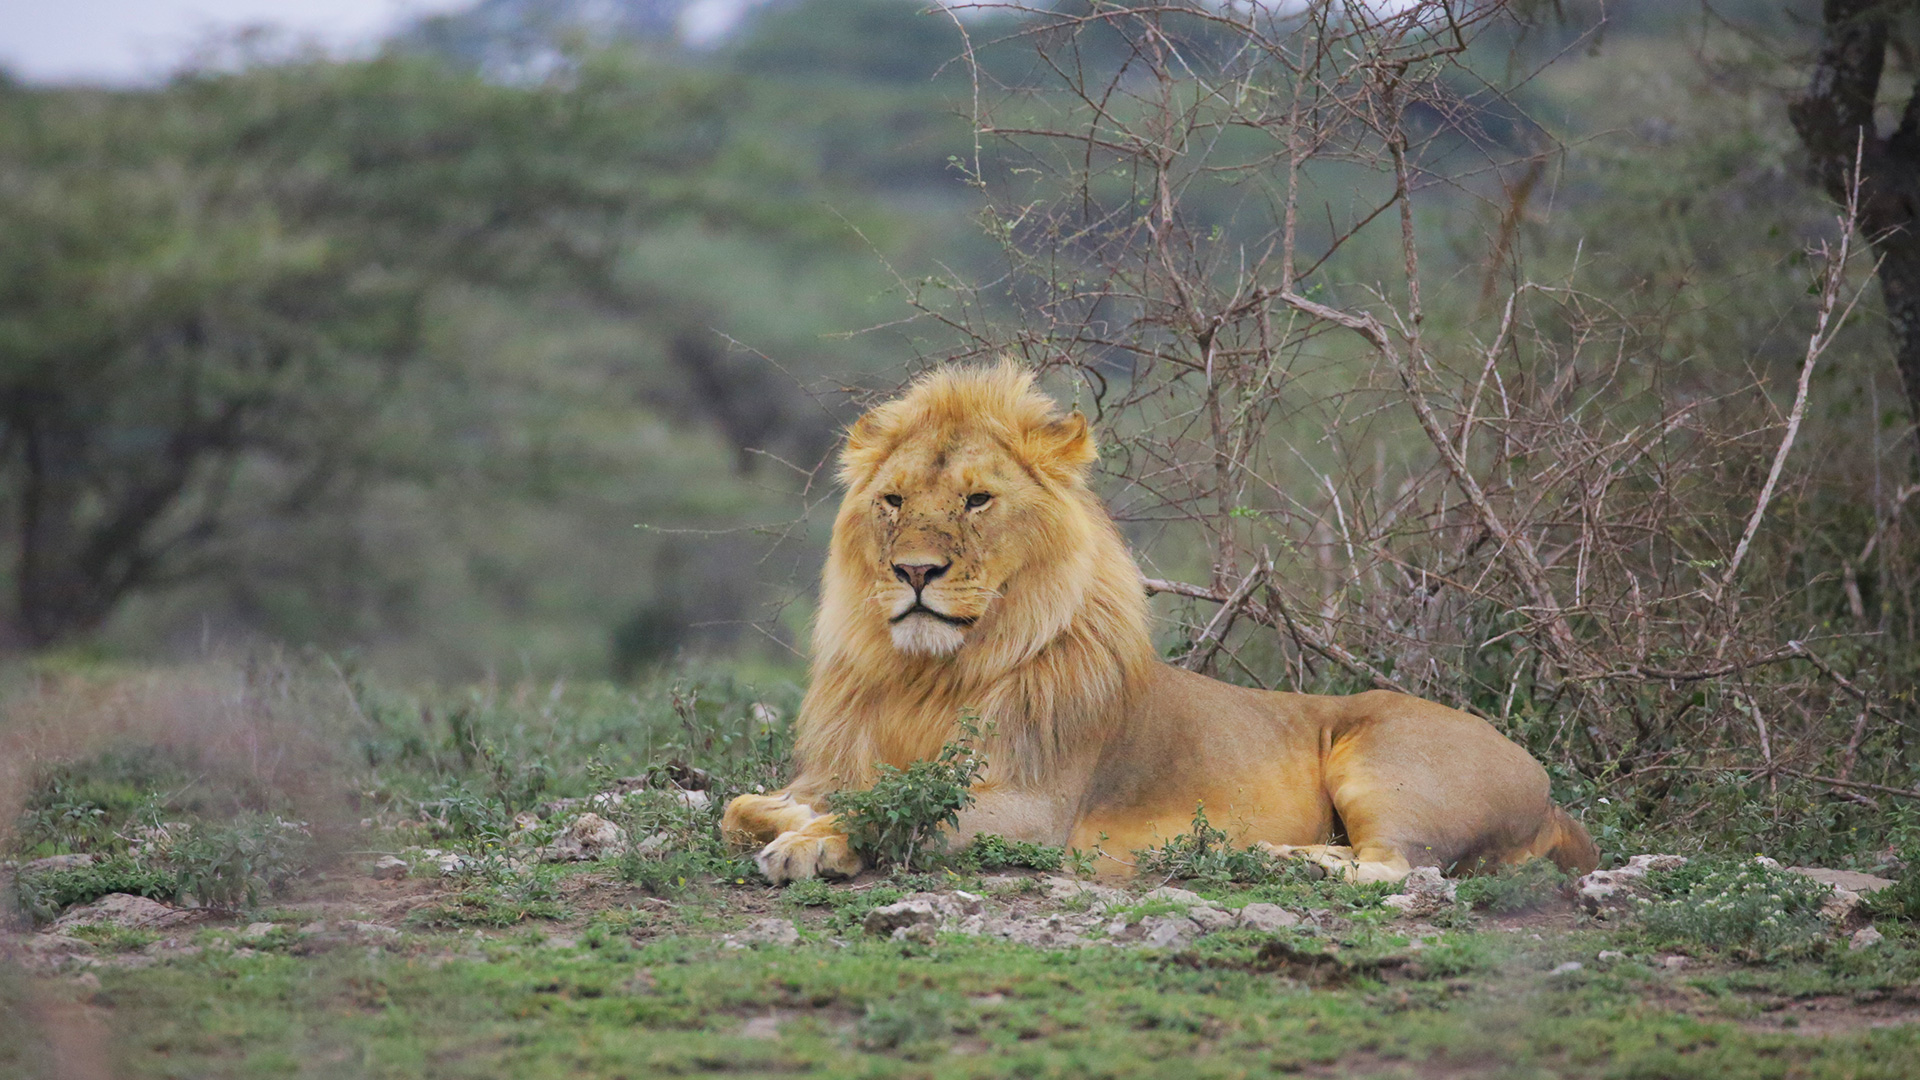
(390,868)
(1166,931)
(1173,895)
(883,921)
(588,836)
(1567,968)
(693,800)
(1865,938)
(122,909)
(255,931)
(1423,892)
(1610,954)
(1267,917)
(1209,918)
(451,863)
(1066,888)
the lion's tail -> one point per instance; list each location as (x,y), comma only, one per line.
(1571,849)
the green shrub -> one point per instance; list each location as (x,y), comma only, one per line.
(224,864)
(1205,853)
(1512,888)
(1744,910)
(1900,900)
(899,818)
(43,894)
(991,852)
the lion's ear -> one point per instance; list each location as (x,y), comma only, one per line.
(866,447)
(1063,449)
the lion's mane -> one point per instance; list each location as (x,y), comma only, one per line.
(1046,673)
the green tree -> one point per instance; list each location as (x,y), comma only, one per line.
(210,293)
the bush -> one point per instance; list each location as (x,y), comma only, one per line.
(1745,909)
(1900,900)
(43,894)
(1207,854)
(991,852)
(1512,888)
(900,817)
(241,860)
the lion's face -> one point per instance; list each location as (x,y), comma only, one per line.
(941,517)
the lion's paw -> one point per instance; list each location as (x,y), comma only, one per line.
(803,853)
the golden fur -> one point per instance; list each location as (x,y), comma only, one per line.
(971,569)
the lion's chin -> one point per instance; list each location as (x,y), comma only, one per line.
(923,635)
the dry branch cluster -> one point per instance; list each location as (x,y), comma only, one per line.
(1508,493)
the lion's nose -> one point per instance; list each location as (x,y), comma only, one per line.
(918,574)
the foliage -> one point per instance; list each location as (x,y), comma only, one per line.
(1900,900)
(1509,889)
(228,863)
(989,851)
(901,816)
(43,894)
(1744,909)
(1205,853)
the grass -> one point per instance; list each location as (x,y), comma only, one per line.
(606,1006)
(516,967)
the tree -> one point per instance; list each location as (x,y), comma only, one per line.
(208,293)
(1835,121)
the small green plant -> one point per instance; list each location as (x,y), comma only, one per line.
(1746,910)
(909,1023)
(228,863)
(992,852)
(1900,900)
(1512,888)
(43,894)
(808,892)
(899,818)
(1204,853)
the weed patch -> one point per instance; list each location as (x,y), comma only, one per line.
(901,816)
(1744,910)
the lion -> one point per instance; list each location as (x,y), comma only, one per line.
(971,569)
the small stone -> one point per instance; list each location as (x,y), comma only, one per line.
(588,836)
(1423,892)
(1210,918)
(1865,938)
(1674,963)
(1166,931)
(761,1027)
(256,931)
(317,926)
(390,868)
(693,800)
(1567,968)
(1771,864)
(924,933)
(1066,888)
(1173,895)
(1645,863)
(1267,917)
(1610,954)
(44,943)
(883,921)
(451,864)
(771,932)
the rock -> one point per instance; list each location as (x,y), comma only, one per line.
(693,800)
(1066,888)
(1267,918)
(1173,895)
(761,1027)
(588,836)
(1423,893)
(49,943)
(1865,938)
(1167,931)
(1843,907)
(57,862)
(1674,963)
(1607,955)
(1567,968)
(1638,865)
(123,909)
(390,868)
(884,921)
(451,864)
(1850,880)
(1595,889)
(1209,918)
(256,931)
(1771,864)
(369,930)
(771,932)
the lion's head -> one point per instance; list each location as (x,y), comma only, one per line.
(967,517)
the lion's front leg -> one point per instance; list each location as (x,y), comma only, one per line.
(799,842)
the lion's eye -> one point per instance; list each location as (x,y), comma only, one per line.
(891,500)
(978,499)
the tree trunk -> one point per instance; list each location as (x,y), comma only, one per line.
(1834,119)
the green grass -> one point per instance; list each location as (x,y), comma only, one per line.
(1483,1002)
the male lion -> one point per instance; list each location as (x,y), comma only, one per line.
(971,568)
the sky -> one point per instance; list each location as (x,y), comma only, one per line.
(133,41)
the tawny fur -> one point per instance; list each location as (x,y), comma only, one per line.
(1032,618)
